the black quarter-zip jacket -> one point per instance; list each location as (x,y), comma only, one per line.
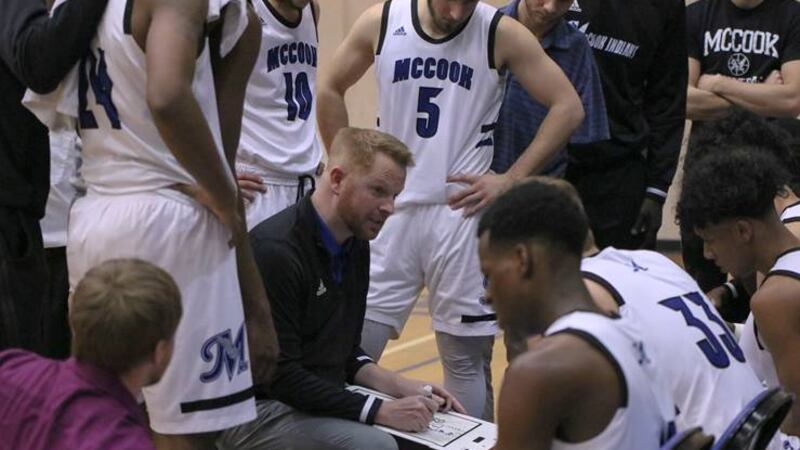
(318,321)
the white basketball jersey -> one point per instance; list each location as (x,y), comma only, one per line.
(441,97)
(123,152)
(754,349)
(791,213)
(692,347)
(646,417)
(279,126)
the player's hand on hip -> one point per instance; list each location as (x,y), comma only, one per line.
(482,190)
(407,414)
(250,185)
(225,209)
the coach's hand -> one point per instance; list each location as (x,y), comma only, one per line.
(648,222)
(407,387)
(250,185)
(407,414)
(227,210)
(482,190)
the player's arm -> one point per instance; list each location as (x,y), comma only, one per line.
(518,50)
(349,63)
(171,45)
(40,50)
(231,74)
(544,387)
(775,310)
(766,99)
(702,104)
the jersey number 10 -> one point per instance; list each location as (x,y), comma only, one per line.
(298,96)
(714,345)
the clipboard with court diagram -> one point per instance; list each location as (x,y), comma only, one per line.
(447,431)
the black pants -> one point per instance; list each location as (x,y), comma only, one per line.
(56,336)
(612,193)
(23,280)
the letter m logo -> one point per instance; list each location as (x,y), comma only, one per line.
(226,353)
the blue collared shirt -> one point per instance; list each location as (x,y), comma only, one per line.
(338,252)
(520,116)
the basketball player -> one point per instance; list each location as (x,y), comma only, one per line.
(153,131)
(279,153)
(712,381)
(440,67)
(590,381)
(740,128)
(727,199)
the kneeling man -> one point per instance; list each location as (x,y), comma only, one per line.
(314,260)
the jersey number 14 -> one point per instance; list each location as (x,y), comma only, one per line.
(96,76)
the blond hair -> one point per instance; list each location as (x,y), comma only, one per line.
(120,310)
(357,147)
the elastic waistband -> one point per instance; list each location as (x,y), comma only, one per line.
(165,192)
(269,176)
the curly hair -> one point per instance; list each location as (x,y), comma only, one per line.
(745,129)
(536,210)
(741,182)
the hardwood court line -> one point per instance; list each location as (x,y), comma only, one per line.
(418,365)
(409,344)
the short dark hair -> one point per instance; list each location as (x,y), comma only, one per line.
(741,182)
(539,211)
(743,128)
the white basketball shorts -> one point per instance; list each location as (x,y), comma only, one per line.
(207,385)
(435,247)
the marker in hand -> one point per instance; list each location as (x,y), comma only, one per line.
(442,402)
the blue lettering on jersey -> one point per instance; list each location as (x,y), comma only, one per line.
(430,68)
(229,354)
(291,53)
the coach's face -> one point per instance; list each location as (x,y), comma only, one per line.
(448,15)
(367,196)
(728,244)
(506,274)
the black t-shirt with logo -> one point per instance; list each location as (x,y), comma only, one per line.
(746,44)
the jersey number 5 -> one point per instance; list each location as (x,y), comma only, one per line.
(427,127)
(298,96)
(96,76)
(714,345)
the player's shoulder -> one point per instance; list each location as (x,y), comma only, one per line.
(278,232)
(779,289)
(562,366)
(375,12)
(563,354)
